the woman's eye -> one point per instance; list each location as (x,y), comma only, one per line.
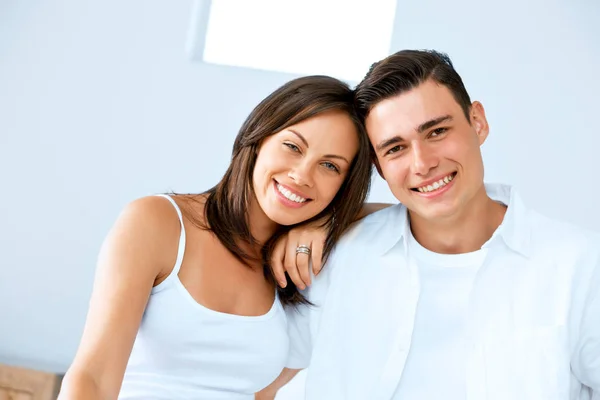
(331,166)
(292,147)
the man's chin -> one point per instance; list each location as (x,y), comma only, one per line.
(432,213)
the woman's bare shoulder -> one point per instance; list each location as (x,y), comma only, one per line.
(192,207)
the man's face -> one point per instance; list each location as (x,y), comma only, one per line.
(428,151)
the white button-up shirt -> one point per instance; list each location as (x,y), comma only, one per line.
(533,322)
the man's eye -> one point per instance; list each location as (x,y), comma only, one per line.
(394,149)
(438,131)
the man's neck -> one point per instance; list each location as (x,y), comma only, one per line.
(462,233)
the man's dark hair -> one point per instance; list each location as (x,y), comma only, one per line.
(405,70)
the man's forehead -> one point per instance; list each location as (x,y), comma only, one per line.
(422,98)
(403,114)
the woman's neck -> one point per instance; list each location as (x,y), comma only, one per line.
(261,227)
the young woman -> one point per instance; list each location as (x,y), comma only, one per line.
(183,304)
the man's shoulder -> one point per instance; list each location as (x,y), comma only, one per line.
(366,236)
(561,235)
(381,223)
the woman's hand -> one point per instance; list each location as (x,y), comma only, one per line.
(289,254)
(270,391)
(296,251)
(264,395)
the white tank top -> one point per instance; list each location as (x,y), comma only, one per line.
(186,351)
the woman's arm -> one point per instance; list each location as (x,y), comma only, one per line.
(270,391)
(284,258)
(135,253)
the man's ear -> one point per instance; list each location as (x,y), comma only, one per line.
(377,166)
(375,161)
(479,121)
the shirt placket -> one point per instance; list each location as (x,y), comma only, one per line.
(476,379)
(399,351)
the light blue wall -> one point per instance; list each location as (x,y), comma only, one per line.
(99,105)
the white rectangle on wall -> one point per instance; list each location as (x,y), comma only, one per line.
(333,37)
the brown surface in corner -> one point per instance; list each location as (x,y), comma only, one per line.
(26,384)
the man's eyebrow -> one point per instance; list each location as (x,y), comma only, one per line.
(421,128)
(433,122)
(388,142)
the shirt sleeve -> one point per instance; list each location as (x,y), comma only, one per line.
(586,355)
(304,319)
(300,336)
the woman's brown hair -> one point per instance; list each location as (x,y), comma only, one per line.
(227,203)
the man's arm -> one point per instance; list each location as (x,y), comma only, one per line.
(586,355)
(370,208)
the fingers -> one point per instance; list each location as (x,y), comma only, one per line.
(317,256)
(303,264)
(277,259)
(298,265)
(290,265)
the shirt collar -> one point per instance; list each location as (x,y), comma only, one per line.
(514,230)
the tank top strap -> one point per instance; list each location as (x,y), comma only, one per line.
(180,248)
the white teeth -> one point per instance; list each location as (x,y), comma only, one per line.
(289,195)
(436,185)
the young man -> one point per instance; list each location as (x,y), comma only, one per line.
(462,291)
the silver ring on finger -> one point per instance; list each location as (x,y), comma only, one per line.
(303,249)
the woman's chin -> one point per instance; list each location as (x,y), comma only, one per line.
(286,221)
(287,218)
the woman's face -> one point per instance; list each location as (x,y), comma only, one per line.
(300,169)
